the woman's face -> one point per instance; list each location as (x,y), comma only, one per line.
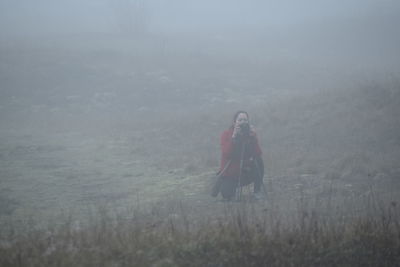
(241,118)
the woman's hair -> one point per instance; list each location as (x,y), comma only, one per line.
(237,114)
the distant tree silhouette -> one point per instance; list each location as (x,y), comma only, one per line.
(131,16)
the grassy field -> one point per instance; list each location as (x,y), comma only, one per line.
(242,234)
(109,146)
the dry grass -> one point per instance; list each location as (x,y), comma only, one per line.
(241,236)
(132,124)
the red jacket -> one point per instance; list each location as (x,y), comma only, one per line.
(232,151)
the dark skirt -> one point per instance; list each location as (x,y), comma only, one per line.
(228,185)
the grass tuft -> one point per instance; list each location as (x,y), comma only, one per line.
(241,236)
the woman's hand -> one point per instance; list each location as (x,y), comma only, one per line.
(252,130)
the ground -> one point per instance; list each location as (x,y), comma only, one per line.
(92,121)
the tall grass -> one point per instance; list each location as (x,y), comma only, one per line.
(242,235)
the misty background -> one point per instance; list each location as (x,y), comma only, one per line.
(100,100)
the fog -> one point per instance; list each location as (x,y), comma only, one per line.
(112,101)
(24,17)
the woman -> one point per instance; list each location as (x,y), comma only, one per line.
(241,161)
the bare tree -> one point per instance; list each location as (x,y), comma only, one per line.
(131,16)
